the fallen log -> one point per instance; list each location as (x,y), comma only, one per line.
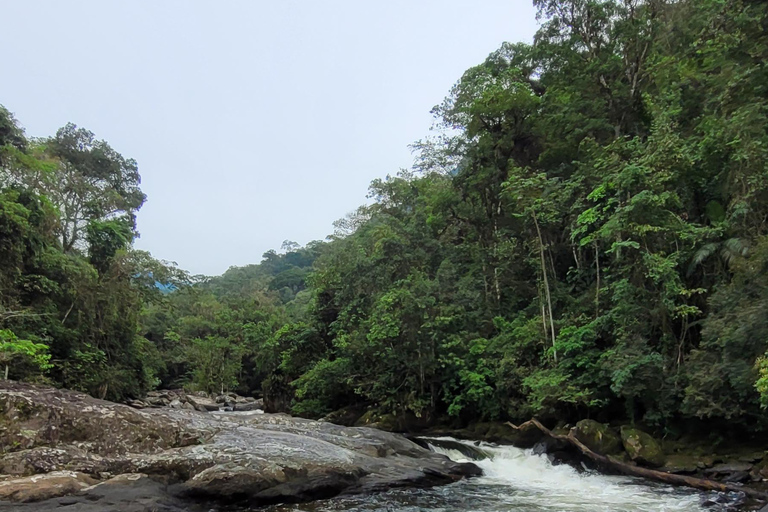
(651,474)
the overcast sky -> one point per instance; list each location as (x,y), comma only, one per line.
(252,122)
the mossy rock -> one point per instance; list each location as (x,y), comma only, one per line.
(376,419)
(682,463)
(642,447)
(598,437)
(346,417)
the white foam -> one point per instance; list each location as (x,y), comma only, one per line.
(531,479)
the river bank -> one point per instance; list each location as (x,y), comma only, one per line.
(63,448)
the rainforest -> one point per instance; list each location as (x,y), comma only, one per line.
(584,234)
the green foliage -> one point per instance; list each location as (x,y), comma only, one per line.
(15,352)
(585,236)
(216,362)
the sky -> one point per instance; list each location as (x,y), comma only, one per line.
(252,122)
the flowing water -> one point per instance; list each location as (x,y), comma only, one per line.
(516,480)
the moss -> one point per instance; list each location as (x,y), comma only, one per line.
(641,447)
(374,418)
(598,437)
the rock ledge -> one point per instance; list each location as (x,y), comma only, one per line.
(170,459)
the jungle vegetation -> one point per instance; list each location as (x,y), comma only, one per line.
(584,233)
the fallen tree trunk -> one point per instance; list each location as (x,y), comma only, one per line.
(650,474)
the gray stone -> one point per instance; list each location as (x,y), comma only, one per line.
(243,456)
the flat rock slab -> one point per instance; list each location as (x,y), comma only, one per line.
(195,457)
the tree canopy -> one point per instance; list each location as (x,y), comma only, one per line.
(585,234)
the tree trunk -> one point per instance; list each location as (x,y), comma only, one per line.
(597,287)
(546,283)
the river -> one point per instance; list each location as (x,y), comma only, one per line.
(516,480)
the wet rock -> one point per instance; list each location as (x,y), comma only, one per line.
(725,501)
(471,452)
(641,447)
(124,493)
(44,487)
(598,437)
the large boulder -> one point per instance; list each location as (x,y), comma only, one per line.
(598,437)
(641,447)
(247,457)
(32,416)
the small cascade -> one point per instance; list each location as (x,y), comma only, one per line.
(532,482)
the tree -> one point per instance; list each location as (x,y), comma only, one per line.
(15,351)
(93,182)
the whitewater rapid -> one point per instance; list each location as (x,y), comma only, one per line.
(516,480)
(526,481)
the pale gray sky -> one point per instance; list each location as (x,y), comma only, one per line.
(252,121)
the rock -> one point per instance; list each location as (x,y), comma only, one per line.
(469,451)
(681,464)
(732,472)
(123,493)
(249,458)
(598,437)
(34,417)
(760,471)
(203,404)
(641,447)
(752,457)
(726,501)
(188,406)
(175,404)
(347,416)
(383,421)
(138,404)
(731,467)
(44,487)
(736,476)
(246,406)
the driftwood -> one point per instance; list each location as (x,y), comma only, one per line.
(650,474)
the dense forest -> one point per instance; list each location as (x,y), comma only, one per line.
(584,234)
